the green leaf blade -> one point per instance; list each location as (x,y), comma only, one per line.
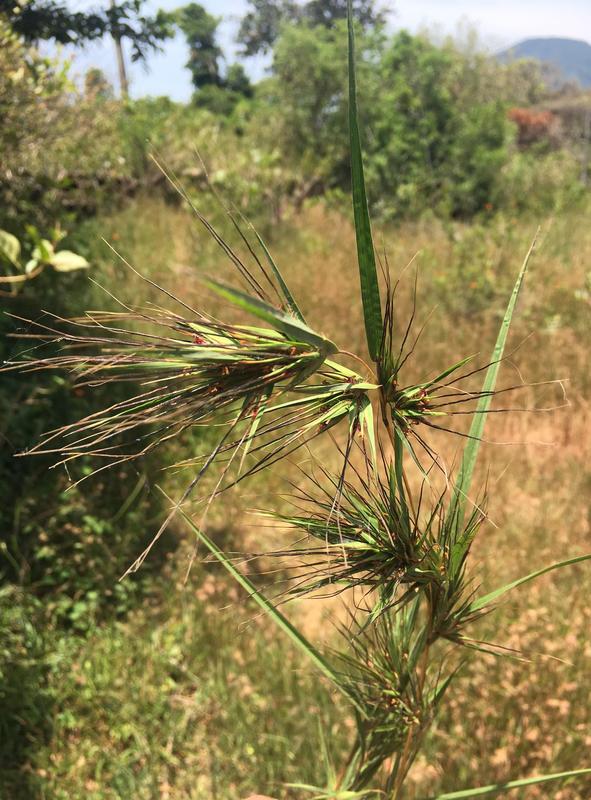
(287,295)
(499,788)
(483,601)
(292,327)
(370,290)
(10,248)
(470,454)
(67,261)
(282,622)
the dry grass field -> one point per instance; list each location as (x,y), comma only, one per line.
(195,697)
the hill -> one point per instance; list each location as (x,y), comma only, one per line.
(571,56)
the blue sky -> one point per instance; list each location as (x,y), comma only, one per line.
(500,23)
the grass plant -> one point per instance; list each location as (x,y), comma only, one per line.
(378,529)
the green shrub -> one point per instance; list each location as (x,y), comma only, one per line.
(541,184)
(25,722)
(57,541)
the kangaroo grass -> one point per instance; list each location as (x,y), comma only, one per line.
(268,388)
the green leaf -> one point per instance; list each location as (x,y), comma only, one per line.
(370,290)
(10,248)
(66,261)
(294,634)
(289,298)
(44,251)
(499,788)
(442,375)
(290,326)
(31,266)
(367,428)
(329,794)
(436,695)
(472,448)
(33,233)
(492,596)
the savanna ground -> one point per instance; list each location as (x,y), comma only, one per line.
(191,694)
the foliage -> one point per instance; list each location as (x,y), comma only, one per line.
(482,79)
(541,183)
(271,388)
(436,139)
(51,19)
(70,630)
(168,716)
(43,254)
(238,81)
(96,85)
(57,542)
(56,162)
(307,94)
(261,25)
(27,82)
(69,155)
(430,145)
(431,142)
(98,738)
(214,91)
(200,30)
(26,703)
(329,12)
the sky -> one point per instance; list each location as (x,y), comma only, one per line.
(500,23)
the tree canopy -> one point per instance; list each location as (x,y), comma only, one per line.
(200,30)
(52,20)
(261,25)
(215,88)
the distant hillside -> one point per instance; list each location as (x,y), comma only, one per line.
(571,56)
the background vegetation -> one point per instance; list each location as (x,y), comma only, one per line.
(153,687)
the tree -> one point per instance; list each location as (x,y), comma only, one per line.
(200,30)
(436,132)
(328,12)
(96,85)
(238,81)
(305,116)
(52,20)
(261,26)
(215,90)
(434,141)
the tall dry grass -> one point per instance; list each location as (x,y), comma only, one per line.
(503,717)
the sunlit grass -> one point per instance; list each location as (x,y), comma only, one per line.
(538,520)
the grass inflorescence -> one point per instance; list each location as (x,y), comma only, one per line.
(400,553)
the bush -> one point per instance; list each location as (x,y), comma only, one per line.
(541,183)
(24,696)
(66,545)
(429,147)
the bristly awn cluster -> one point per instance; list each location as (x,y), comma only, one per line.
(271,387)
